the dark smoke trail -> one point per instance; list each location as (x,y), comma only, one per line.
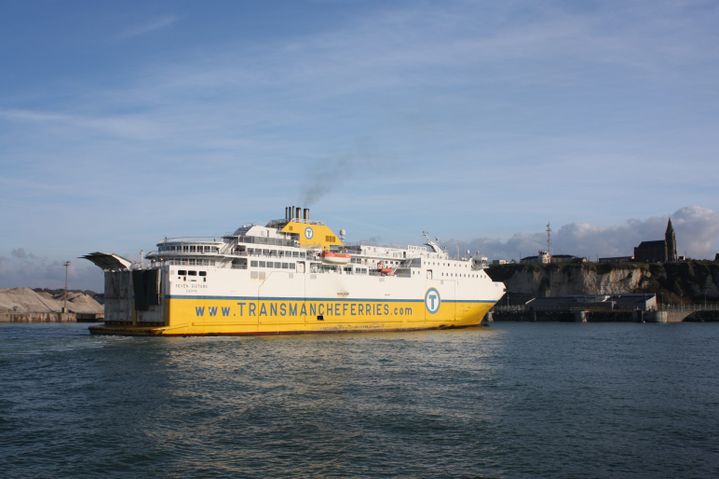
(324,177)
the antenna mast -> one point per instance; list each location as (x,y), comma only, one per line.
(549,240)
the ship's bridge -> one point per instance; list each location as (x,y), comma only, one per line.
(187,251)
(185,246)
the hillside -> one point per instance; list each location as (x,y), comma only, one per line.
(684,282)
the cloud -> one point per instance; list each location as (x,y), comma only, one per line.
(19,253)
(26,269)
(137,127)
(149,26)
(696,227)
(697,231)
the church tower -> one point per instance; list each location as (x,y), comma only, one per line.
(670,240)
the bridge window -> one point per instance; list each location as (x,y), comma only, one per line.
(262,264)
(182,272)
(253,264)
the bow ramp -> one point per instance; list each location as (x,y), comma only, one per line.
(108,261)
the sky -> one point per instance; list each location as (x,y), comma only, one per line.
(122,123)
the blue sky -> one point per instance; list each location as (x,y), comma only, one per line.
(124,122)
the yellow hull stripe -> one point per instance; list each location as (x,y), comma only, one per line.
(287,315)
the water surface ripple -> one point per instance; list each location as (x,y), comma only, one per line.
(514,400)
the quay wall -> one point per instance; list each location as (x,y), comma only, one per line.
(606,316)
(37,317)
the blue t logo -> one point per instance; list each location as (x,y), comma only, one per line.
(432,300)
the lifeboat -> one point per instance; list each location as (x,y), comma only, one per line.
(385,270)
(335,257)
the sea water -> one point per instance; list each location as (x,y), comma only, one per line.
(512,400)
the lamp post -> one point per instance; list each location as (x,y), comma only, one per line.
(64,307)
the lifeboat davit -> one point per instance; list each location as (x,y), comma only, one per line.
(385,270)
(334,257)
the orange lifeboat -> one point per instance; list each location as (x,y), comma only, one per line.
(385,270)
(335,257)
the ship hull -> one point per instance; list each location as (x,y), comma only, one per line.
(190,315)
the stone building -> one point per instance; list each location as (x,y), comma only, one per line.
(660,251)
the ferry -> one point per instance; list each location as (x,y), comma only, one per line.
(291,276)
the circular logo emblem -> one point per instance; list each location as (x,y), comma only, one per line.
(309,233)
(432,300)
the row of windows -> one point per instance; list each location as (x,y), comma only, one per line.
(183,272)
(348,270)
(273,252)
(189,248)
(374,261)
(327,268)
(192,276)
(272,264)
(441,263)
(314,267)
(192,262)
(261,240)
(461,275)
